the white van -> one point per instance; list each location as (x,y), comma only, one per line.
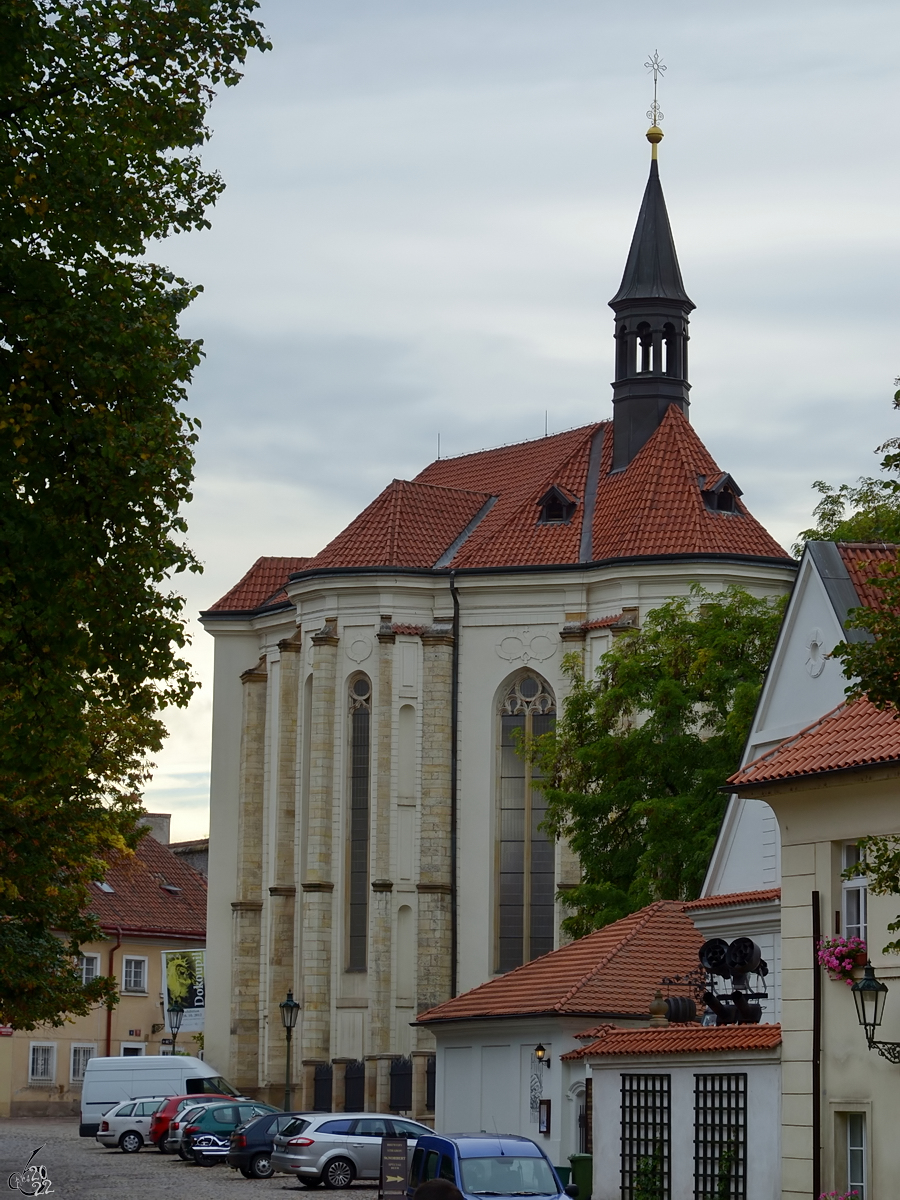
(111,1081)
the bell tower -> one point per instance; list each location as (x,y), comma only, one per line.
(652,310)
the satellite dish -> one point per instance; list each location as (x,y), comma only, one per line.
(743,956)
(714,956)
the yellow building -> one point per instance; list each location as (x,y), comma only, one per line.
(152,903)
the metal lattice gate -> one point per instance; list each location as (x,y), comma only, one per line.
(720,1136)
(355,1087)
(401,1085)
(646,1136)
(322,1088)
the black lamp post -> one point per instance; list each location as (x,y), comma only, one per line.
(289,1009)
(176,1016)
(869,995)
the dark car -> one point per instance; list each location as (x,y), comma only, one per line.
(208,1136)
(484,1165)
(251,1145)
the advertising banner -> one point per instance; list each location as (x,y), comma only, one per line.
(184,975)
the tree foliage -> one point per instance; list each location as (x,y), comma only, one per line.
(639,753)
(103,109)
(865,511)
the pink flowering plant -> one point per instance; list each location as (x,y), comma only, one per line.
(840,956)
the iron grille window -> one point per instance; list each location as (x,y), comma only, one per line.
(646,1136)
(42,1068)
(720,1136)
(81,1056)
(322,1077)
(355,1087)
(401,1085)
(360,769)
(527,884)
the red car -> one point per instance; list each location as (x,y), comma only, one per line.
(166,1113)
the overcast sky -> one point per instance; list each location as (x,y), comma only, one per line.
(428,206)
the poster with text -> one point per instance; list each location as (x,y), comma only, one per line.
(184,972)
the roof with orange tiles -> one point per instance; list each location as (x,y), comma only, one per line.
(680,1039)
(862,560)
(732,899)
(614,972)
(603,622)
(154,893)
(261,587)
(851,736)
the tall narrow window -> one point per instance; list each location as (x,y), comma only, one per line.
(360,771)
(856,1154)
(720,1136)
(646,1136)
(526,884)
(854,896)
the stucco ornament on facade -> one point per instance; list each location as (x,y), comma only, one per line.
(526,648)
(816,654)
(359,649)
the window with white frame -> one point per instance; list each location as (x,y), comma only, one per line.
(854,895)
(82,1053)
(42,1062)
(89,965)
(856,1154)
(134,975)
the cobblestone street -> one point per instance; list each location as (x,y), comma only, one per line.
(80,1169)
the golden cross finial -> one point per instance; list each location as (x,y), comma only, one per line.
(654,112)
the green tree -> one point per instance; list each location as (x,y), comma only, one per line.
(865,511)
(880,863)
(103,109)
(639,753)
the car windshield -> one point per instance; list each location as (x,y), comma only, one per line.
(507,1175)
(213,1084)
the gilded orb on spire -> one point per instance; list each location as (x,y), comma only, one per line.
(654,134)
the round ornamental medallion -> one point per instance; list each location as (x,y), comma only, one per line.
(359,649)
(815,653)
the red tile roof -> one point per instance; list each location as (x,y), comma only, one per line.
(262,585)
(851,735)
(731,899)
(602,622)
(680,1039)
(654,507)
(862,560)
(613,971)
(139,903)
(408,525)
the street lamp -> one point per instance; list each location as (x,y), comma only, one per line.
(176,1016)
(289,1009)
(869,995)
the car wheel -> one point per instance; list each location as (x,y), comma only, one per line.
(182,1153)
(339,1173)
(205,1160)
(162,1147)
(131,1142)
(261,1166)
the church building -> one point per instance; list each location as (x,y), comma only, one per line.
(375,841)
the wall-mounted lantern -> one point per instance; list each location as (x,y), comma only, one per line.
(869,995)
(540,1053)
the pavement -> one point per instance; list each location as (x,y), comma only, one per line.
(77,1168)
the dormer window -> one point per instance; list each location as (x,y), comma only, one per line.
(720,494)
(557,506)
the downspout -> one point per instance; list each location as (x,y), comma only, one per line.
(111,972)
(454,786)
(816,1050)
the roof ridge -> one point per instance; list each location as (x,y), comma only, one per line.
(651,911)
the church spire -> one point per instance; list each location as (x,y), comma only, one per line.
(652,309)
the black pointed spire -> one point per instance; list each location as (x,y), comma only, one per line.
(651,308)
(652,271)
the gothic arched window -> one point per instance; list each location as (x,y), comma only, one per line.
(358,841)
(526,885)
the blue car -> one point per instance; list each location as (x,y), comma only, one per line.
(480,1165)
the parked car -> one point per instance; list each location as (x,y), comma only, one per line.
(128,1125)
(336,1148)
(250,1151)
(166,1113)
(175,1136)
(480,1165)
(207,1136)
